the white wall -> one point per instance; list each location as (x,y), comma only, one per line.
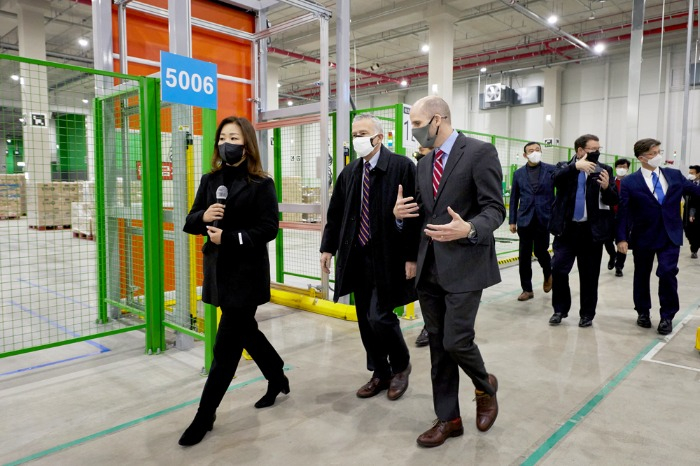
(593,100)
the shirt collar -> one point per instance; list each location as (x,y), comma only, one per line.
(446,146)
(374,160)
(647,173)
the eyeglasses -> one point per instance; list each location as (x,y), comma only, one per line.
(653,153)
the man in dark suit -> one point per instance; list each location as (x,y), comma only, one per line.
(459,204)
(617,259)
(531,197)
(582,220)
(649,223)
(691,208)
(375,258)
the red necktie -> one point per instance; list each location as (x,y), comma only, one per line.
(437,171)
(364,214)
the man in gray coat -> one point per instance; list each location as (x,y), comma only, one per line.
(459,202)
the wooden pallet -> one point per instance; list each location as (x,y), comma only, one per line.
(49,227)
(9,217)
(80,234)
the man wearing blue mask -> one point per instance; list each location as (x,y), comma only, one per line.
(582,220)
(459,204)
(650,223)
(531,197)
(375,256)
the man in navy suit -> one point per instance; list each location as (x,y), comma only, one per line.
(650,223)
(582,220)
(531,198)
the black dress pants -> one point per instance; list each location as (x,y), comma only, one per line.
(620,258)
(533,235)
(380,329)
(449,319)
(576,244)
(238,329)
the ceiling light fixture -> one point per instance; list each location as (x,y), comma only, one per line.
(425,48)
(592,16)
(599,47)
(375,67)
(289,103)
(552,19)
(14,77)
(483,69)
(404,83)
(83,42)
(85,101)
(278,85)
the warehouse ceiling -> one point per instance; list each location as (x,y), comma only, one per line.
(387,36)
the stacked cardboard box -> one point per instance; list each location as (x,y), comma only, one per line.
(12,195)
(291,194)
(49,204)
(83,219)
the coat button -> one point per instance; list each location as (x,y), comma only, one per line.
(434,216)
(345,242)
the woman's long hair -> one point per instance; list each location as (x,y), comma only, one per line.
(252,153)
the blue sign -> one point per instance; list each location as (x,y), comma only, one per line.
(187,81)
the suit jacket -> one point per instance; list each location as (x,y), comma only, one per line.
(471,185)
(526,203)
(391,246)
(642,221)
(691,207)
(237,272)
(600,219)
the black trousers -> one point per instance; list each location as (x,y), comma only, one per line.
(449,319)
(534,235)
(619,258)
(666,270)
(576,244)
(238,329)
(380,329)
(692,233)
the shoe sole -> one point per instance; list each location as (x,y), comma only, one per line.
(644,325)
(457,433)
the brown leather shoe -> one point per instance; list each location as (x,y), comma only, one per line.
(399,384)
(525,295)
(487,407)
(441,431)
(547,285)
(373,387)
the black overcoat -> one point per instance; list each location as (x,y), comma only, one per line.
(391,246)
(237,272)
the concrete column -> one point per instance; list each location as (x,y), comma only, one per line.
(34,90)
(634,75)
(274,62)
(552,102)
(442,31)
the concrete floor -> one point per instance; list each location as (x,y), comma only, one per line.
(612,394)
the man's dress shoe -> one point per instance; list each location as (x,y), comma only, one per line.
(399,384)
(525,295)
(665,326)
(373,387)
(441,431)
(487,407)
(644,321)
(556,318)
(585,322)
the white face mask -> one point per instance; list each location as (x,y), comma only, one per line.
(535,157)
(621,171)
(691,177)
(656,161)
(363,146)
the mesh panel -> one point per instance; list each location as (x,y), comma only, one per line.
(48,256)
(300,234)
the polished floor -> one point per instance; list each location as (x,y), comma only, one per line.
(612,394)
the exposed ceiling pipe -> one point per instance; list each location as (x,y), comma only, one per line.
(557,30)
(62,56)
(522,56)
(381,78)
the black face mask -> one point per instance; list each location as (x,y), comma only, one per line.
(593,156)
(231,153)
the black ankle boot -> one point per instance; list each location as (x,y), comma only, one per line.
(197,430)
(273,389)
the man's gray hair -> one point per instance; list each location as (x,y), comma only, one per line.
(375,121)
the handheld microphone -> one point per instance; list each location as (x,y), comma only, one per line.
(221,195)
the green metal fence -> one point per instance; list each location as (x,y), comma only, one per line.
(64,194)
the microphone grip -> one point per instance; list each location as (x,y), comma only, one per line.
(215,224)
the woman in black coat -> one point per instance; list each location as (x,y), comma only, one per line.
(236,265)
